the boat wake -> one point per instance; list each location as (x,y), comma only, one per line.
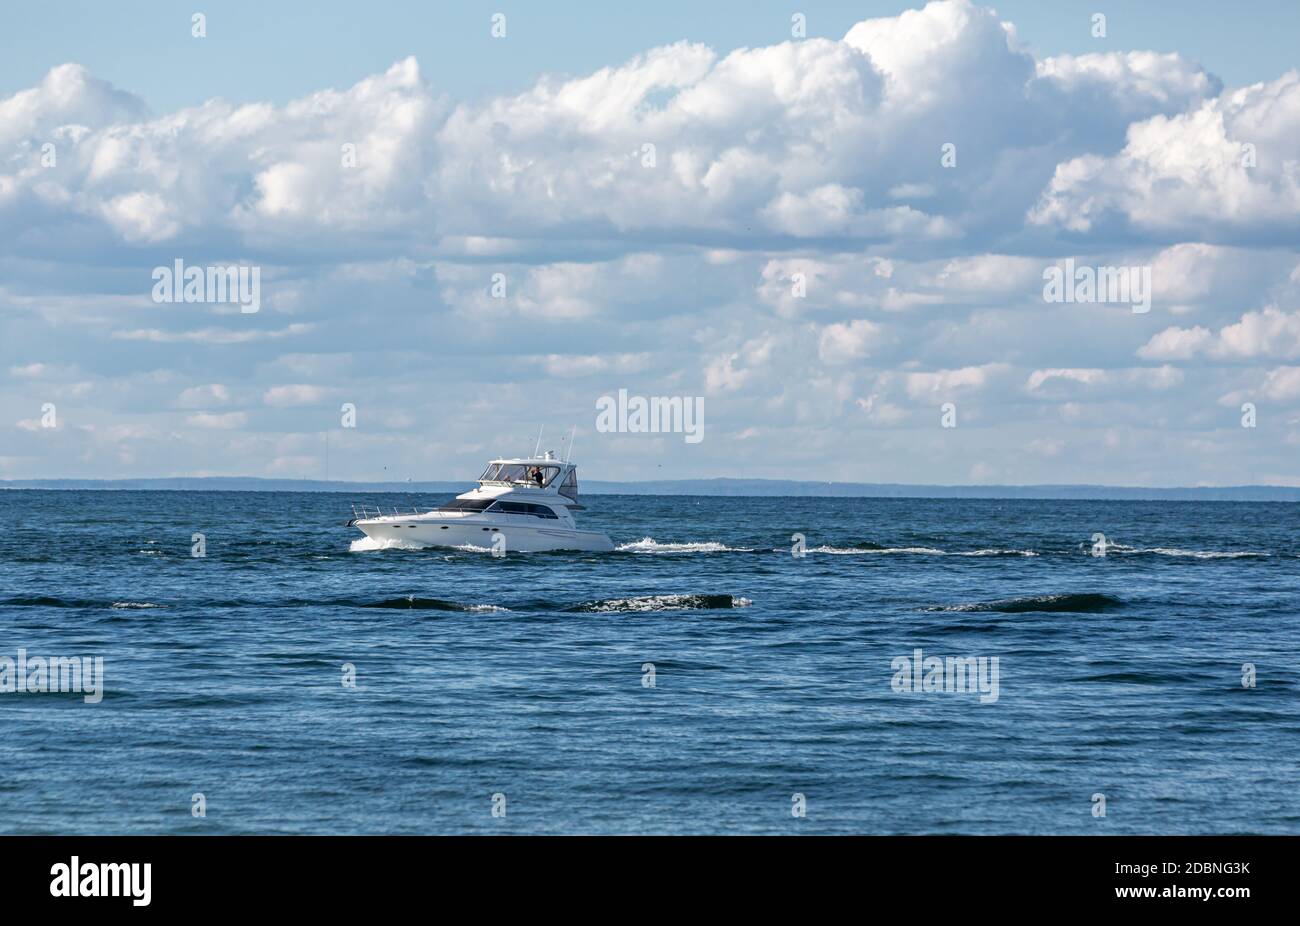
(368,544)
(1120,549)
(875,549)
(862,548)
(650,545)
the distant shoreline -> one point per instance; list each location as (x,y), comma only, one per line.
(720,487)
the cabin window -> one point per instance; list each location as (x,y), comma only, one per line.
(569,488)
(467,504)
(537,511)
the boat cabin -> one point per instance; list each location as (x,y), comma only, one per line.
(544,474)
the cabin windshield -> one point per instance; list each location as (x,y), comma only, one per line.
(520,474)
(569,487)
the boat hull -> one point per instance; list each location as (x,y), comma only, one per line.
(516,538)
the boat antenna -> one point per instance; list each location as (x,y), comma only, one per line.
(569,455)
(538,448)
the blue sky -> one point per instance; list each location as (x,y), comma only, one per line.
(779,164)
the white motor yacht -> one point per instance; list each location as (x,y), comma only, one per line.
(521,505)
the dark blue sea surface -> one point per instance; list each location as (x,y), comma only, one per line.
(526,676)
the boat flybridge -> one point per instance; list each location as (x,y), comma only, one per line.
(522,505)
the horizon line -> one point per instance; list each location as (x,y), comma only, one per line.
(290,483)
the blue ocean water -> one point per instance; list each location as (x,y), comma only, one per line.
(773,675)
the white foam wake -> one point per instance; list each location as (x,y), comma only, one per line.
(367,544)
(916,551)
(1120,548)
(650,545)
(928,551)
(994,552)
(471,548)
(1201,554)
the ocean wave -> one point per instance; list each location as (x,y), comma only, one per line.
(1130,678)
(1204,554)
(831,551)
(993,551)
(1085,603)
(650,545)
(872,548)
(411,602)
(1120,549)
(662,603)
(44,601)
